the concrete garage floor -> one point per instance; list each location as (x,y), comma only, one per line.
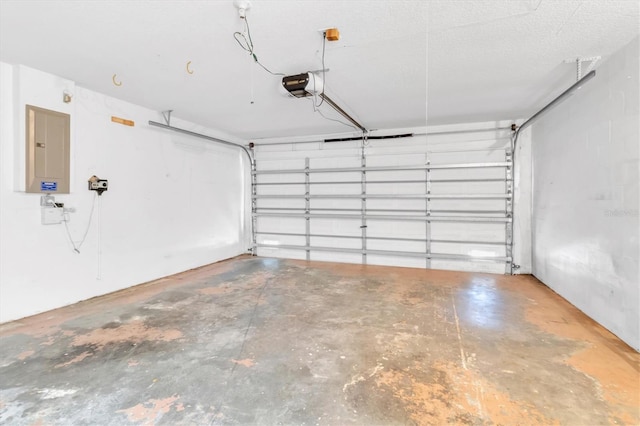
(266,341)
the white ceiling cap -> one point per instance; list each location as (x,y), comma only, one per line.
(243,6)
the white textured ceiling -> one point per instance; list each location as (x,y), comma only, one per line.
(501,58)
(477,60)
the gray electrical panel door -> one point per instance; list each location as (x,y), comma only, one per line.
(48,156)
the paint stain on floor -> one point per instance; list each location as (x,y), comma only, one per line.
(75,359)
(133,332)
(247,362)
(150,412)
(619,382)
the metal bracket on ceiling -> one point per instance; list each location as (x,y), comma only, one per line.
(167,116)
(580,72)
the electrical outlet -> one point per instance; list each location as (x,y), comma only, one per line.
(52,215)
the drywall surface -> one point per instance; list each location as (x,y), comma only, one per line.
(174,202)
(585,197)
(486,142)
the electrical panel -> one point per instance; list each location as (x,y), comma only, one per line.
(47,149)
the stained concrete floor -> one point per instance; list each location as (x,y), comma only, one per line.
(266,341)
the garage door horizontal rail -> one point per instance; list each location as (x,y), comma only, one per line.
(357,237)
(391,196)
(336,209)
(352,182)
(436,256)
(389,168)
(461,219)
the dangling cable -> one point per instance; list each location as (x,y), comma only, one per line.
(246,43)
(324,71)
(251,83)
(65,219)
(99,273)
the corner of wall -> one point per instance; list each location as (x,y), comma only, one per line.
(522,203)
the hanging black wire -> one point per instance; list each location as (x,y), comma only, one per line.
(324,70)
(246,43)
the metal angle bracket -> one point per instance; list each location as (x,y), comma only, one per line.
(307,207)
(427,207)
(509,212)
(593,60)
(254,206)
(167,116)
(509,184)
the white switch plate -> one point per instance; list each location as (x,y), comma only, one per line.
(52,215)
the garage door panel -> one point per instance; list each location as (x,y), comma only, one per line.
(335,226)
(397,187)
(283,204)
(281,239)
(282,253)
(468,232)
(404,261)
(449,265)
(334,161)
(396,228)
(279,224)
(331,189)
(335,203)
(379,175)
(389,159)
(469,187)
(397,204)
(474,250)
(443,204)
(294,189)
(468,205)
(350,243)
(335,256)
(335,177)
(399,246)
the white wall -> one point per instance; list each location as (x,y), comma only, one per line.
(174,203)
(586,197)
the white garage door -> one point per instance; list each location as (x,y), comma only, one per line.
(440,200)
